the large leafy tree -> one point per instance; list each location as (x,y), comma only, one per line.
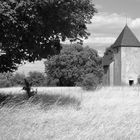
(73,65)
(33,29)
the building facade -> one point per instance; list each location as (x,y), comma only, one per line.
(121,61)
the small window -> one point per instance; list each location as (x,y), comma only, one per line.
(131,82)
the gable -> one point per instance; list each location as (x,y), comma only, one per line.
(126,39)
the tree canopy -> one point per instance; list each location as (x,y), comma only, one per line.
(73,65)
(33,29)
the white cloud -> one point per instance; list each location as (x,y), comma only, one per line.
(100,40)
(105,19)
(135,23)
(105,27)
(26,68)
(104,40)
(99,43)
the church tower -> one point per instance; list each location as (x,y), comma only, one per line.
(124,68)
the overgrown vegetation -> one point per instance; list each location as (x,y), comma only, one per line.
(108,114)
(6,79)
(34,78)
(90,82)
(37,78)
(44,98)
(28,87)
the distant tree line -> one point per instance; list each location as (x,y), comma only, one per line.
(74,66)
(35,79)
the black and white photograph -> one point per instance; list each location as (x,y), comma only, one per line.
(69,69)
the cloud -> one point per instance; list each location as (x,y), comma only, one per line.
(135,23)
(100,40)
(26,68)
(106,27)
(99,43)
(105,19)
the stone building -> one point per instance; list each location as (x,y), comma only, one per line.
(121,61)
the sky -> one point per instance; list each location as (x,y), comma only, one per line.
(106,26)
(109,21)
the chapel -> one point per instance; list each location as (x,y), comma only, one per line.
(121,61)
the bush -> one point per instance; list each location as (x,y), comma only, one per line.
(18,79)
(90,82)
(53,82)
(36,78)
(6,79)
(10,79)
(5,83)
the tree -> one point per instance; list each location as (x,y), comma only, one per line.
(6,79)
(33,29)
(90,81)
(73,64)
(18,79)
(36,78)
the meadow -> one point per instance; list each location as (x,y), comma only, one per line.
(110,113)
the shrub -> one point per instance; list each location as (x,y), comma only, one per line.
(36,78)
(53,82)
(90,82)
(27,87)
(5,83)
(6,79)
(18,79)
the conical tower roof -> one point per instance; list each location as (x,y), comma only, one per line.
(126,39)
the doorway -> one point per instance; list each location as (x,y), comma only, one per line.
(131,82)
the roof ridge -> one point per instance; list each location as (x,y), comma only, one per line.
(126,38)
(123,33)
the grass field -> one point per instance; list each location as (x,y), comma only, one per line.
(71,114)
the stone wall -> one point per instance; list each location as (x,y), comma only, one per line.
(130,57)
(117,67)
(106,80)
(111,76)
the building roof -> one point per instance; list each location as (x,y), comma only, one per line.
(126,39)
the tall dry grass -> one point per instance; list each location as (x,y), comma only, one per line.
(107,114)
